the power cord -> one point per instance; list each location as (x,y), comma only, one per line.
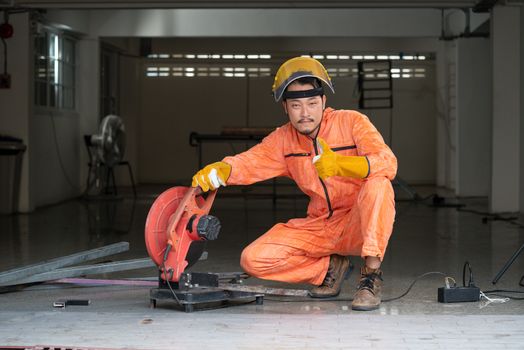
(59,156)
(166,253)
(468,289)
(418,278)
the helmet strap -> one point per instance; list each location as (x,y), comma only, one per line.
(319,91)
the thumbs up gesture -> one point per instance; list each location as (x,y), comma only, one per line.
(329,163)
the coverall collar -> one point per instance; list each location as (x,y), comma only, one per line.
(322,124)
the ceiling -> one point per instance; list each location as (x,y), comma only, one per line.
(101,4)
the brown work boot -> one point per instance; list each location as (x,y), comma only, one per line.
(337,270)
(369,292)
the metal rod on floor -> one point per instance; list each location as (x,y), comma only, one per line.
(49,265)
(508,264)
(264,290)
(87,270)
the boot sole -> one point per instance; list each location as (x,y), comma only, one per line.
(365,308)
(325,296)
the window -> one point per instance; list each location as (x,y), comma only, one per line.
(191,65)
(54,70)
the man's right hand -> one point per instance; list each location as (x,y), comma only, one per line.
(212,176)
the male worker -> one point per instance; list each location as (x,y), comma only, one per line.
(339,159)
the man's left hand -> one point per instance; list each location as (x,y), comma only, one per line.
(328,163)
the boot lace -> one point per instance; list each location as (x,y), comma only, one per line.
(329,280)
(368,282)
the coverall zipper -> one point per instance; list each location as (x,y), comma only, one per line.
(323,184)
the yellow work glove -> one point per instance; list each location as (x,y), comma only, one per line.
(329,163)
(212,176)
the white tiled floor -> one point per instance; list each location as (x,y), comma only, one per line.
(425,239)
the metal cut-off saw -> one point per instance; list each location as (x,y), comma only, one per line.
(177,228)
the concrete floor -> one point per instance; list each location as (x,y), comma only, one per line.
(425,239)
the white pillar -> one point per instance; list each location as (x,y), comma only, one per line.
(473,117)
(522,109)
(505,170)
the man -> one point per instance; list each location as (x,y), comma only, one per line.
(337,158)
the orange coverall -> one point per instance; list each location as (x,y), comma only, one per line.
(345,216)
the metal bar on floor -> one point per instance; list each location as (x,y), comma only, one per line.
(49,265)
(75,271)
(264,290)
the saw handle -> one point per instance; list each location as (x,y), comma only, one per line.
(189,202)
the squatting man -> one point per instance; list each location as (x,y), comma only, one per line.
(338,159)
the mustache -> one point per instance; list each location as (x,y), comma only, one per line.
(306,120)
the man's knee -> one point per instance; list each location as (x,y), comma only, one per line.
(259,258)
(247,260)
(379,187)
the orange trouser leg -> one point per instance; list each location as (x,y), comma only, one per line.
(294,252)
(298,251)
(366,230)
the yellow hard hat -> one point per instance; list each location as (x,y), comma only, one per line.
(296,68)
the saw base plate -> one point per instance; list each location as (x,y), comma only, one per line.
(201,291)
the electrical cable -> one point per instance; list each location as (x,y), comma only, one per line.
(59,155)
(500,293)
(470,281)
(351,299)
(166,253)
(496,292)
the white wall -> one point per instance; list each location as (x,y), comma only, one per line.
(473,117)
(59,158)
(356,31)
(16,102)
(55,154)
(55,163)
(173,107)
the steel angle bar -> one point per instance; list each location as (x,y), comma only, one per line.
(108,282)
(264,290)
(49,265)
(75,271)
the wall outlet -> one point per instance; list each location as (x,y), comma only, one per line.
(5,81)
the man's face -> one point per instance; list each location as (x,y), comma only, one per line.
(305,114)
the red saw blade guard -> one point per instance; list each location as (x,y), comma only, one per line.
(177,227)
